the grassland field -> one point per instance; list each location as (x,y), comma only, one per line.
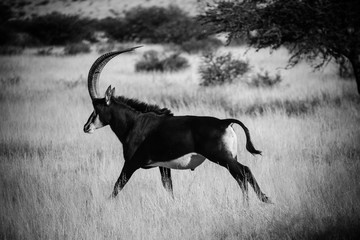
(55,180)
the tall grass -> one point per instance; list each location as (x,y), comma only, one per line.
(55,180)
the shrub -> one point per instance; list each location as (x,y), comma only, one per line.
(104,48)
(10,34)
(150,62)
(114,28)
(151,24)
(6,32)
(73,84)
(238,41)
(174,62)
(265,80)
(7,35)
(155,25)
(218,70)
(56,28)
(153,61)
(45,51)
(345,70)
(76,48)
(11,50)
(202,45)
(43,3)
(111,46)
(5,13)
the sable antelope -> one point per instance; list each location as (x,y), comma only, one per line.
(153,137)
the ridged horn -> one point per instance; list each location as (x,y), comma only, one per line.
(97,67)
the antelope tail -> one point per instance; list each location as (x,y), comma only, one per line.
(249,145)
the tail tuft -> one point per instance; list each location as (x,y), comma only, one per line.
(252,149)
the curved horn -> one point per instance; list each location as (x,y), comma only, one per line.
(97,67)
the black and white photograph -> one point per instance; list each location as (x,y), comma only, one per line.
(192,119)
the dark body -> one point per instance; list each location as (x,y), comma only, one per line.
(179,135)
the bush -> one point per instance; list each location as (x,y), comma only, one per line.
(153,61)
(265,80)
(6,32)
(43,2)
(153,24)
(6,13)
(11,50)
(111,46)
(45,51)
(114,28)
(238,41)
(345,69)
(81,81)
(104,48)
(56,28)
(218,70)
(174,63)
(150,62)
(76,48)
(203,45)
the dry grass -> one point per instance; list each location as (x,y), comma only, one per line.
(55,180)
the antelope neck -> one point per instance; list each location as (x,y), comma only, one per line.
(122,121)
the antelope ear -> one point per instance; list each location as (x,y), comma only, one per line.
(113,92)
(108,95)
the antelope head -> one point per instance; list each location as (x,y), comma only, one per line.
(101,116)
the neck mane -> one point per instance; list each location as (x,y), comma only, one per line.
(142,107)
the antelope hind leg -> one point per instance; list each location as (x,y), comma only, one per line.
(166,180)
(242,175)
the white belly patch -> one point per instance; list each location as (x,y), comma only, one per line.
(188,161)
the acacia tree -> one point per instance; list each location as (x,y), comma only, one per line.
(310,29)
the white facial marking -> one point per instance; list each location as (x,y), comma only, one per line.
(97,123)
(93,123)
(91,129)
(188,161)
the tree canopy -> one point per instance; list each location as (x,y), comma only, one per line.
(310,29)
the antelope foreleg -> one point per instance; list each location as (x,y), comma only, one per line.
(124,177)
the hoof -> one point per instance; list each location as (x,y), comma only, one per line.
(112,196)
(266,199)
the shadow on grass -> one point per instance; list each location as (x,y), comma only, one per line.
(310,228)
